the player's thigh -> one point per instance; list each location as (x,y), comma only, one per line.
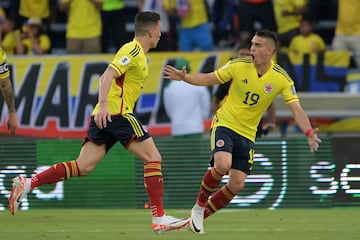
(243,154)
(241,149)
(145,150)
(221,144)
(90,155)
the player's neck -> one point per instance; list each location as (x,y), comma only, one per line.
(262,68)
(144,44)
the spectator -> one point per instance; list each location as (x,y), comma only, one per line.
(83,29)
(241,50)
(33,39)
(157,6)
(8,36)
(174,20)
(288,14)
(226,22)
(186,105)
(307,42)
(195,32)
(317,10)
(113,25)
(347,31)
(252,12)
(43,9)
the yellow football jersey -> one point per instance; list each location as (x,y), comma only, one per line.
(250,95)
(131,64)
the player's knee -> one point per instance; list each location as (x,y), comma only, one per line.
(222,168)
(236,187)
(152,158)
(86,170)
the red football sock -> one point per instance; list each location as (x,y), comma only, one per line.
(218,201)
(154,187)
(210,182)
(58,172)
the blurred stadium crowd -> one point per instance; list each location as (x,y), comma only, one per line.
(229,20)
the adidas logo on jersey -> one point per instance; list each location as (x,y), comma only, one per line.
(244,80)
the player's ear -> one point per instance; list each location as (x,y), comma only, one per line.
(271,50)
(151,32)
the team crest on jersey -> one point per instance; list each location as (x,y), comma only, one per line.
(220,143)
(268,88)
(124,61)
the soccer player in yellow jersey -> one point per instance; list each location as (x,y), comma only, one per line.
(7,92)
(256,81)
(113,121)
(241,51)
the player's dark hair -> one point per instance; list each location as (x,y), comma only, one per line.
(145,20)
(269,35)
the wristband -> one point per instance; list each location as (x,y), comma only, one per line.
(309,132)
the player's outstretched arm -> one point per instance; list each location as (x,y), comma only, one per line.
(303,122)
(199,79)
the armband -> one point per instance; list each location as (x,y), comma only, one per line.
(309,132)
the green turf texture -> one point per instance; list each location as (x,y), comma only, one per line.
(88,224)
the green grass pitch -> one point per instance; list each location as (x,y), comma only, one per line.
(259,224)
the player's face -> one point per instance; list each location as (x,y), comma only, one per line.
(260,50)
(155,34)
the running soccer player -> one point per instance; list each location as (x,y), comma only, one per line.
(113,121)
(241,51)
(256,82)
